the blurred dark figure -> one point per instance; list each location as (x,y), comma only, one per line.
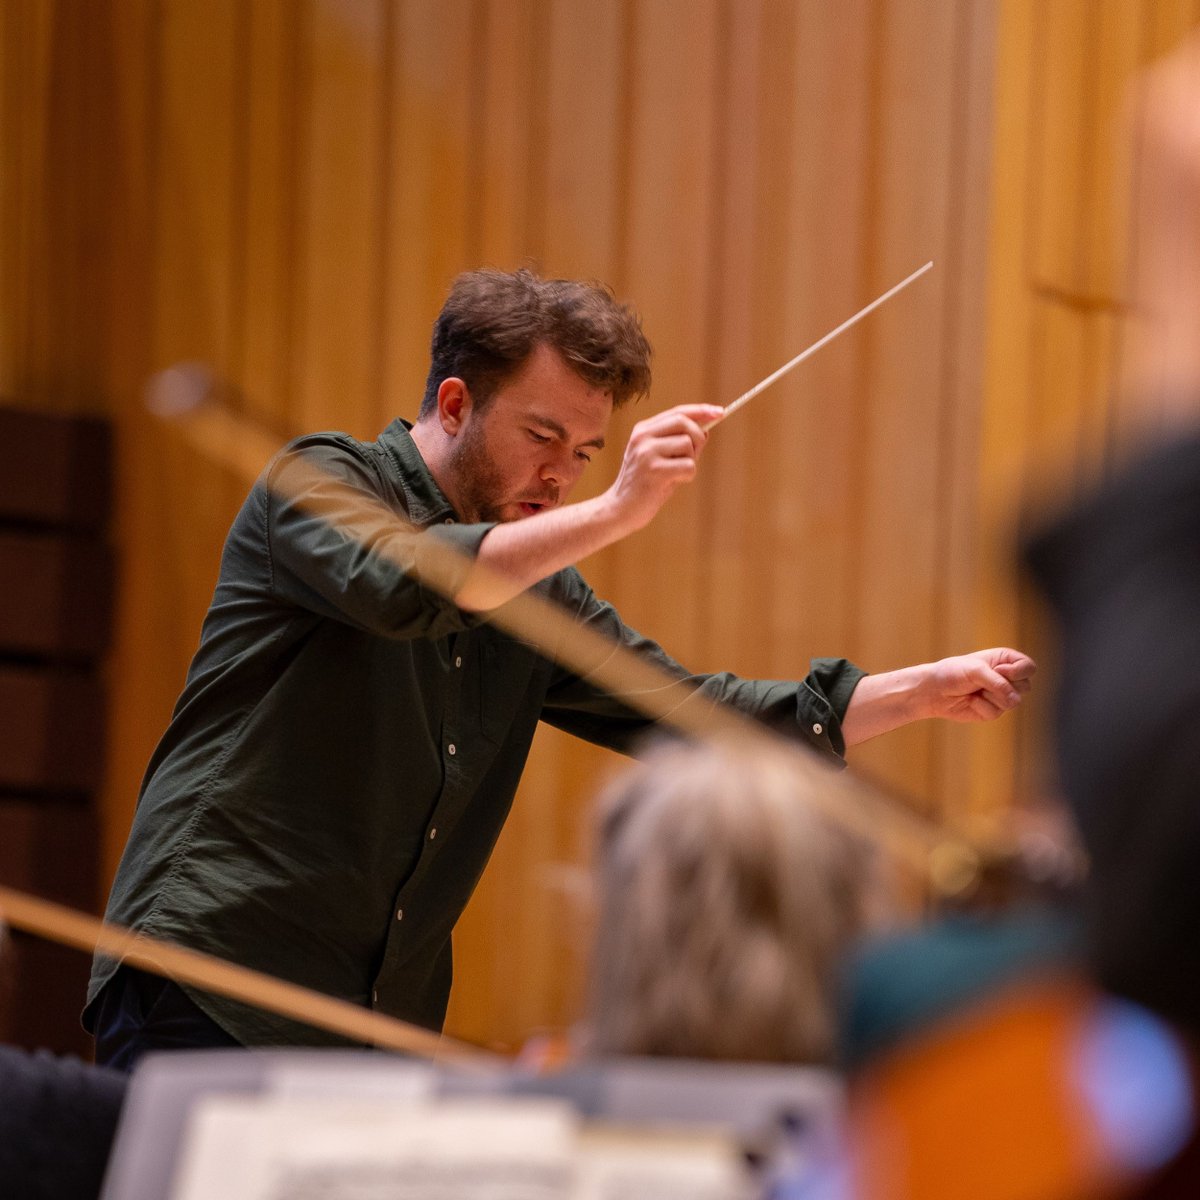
(1123,574)
(1081,1077)
(58,1117)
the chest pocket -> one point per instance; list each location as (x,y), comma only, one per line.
(505,676)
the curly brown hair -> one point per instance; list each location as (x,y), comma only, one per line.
(493,320)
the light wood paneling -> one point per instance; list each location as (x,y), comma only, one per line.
(677,88)
(1060,334)
(285,189)
(430,187)
(1088,49)
(345,189)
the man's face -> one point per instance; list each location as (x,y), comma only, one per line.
(524,452)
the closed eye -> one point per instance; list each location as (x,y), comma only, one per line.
(540,438)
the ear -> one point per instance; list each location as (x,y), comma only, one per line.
(454,405)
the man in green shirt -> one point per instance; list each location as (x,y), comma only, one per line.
(348,741)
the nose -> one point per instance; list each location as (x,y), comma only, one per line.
(561,468)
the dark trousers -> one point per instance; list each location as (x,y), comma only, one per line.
(138,1012)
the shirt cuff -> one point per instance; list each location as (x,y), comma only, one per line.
(833,681)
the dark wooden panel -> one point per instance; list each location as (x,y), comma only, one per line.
(54,469)
(48,848)
(51,729)
(55,595)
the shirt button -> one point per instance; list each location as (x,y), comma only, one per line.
(432,834)
(399,914)
(450,749)
(818,728)
(458,661)
(375,996)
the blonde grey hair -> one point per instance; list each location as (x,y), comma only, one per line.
(725,899)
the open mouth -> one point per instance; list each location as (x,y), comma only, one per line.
(530,508)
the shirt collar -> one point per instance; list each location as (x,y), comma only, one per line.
(426,502)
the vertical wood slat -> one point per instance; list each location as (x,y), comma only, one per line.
(582,150)
(1005,399)
(670,215)
(899,587)
(954,788)
(506,137)
(427,220)
(143,686)
(60,337)
(26,29)
(814,451)
(1122,51)
(196,212)
(729,502)
(340,235)
(195,268)
(272,110)
(1088,53)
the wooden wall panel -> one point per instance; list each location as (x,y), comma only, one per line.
(1088,52)
(919,215)
(27,32)
(291,185)
(509,137)
(738,328)
(964,319)
(267,374)
(196,281)
(344,152)
(430,191)
(583,151)
(677,87)
(1062,342)
(812,454)
(196,231)
(52,174)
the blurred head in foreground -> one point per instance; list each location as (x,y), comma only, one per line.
(726,899)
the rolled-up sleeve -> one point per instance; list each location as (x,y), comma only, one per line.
(336,549)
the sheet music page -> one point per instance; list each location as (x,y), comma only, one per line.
(287,1149)
(617,1162)
(528,1148)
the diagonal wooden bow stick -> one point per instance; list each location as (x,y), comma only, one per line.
(71,928)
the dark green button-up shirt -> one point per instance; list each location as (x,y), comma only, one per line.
(348,744)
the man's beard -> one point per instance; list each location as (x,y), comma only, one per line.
(480,482)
